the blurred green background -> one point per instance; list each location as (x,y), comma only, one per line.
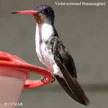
(84,31)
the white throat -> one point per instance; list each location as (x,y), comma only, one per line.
(46,31)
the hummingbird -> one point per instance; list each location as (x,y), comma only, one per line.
(53,54)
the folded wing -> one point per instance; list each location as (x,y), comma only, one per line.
(66,64)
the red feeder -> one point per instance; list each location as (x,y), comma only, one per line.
(14,74)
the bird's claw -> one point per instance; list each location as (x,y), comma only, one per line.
(53,80)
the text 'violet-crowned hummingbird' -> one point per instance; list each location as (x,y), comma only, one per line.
(53,54)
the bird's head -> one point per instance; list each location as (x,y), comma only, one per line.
(43,13)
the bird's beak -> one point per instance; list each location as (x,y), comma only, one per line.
(32,12)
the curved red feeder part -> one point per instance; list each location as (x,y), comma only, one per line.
(16,63)
(14,74)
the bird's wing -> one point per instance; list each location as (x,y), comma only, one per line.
(66,64)
(61,52)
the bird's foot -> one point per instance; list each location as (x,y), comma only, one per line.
(53,80)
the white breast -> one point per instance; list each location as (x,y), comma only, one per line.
(44,54)
(47,31)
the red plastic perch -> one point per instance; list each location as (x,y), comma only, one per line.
(12,61)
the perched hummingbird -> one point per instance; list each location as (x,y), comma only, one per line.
(53,54)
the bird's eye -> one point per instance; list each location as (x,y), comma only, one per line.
(46,10)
